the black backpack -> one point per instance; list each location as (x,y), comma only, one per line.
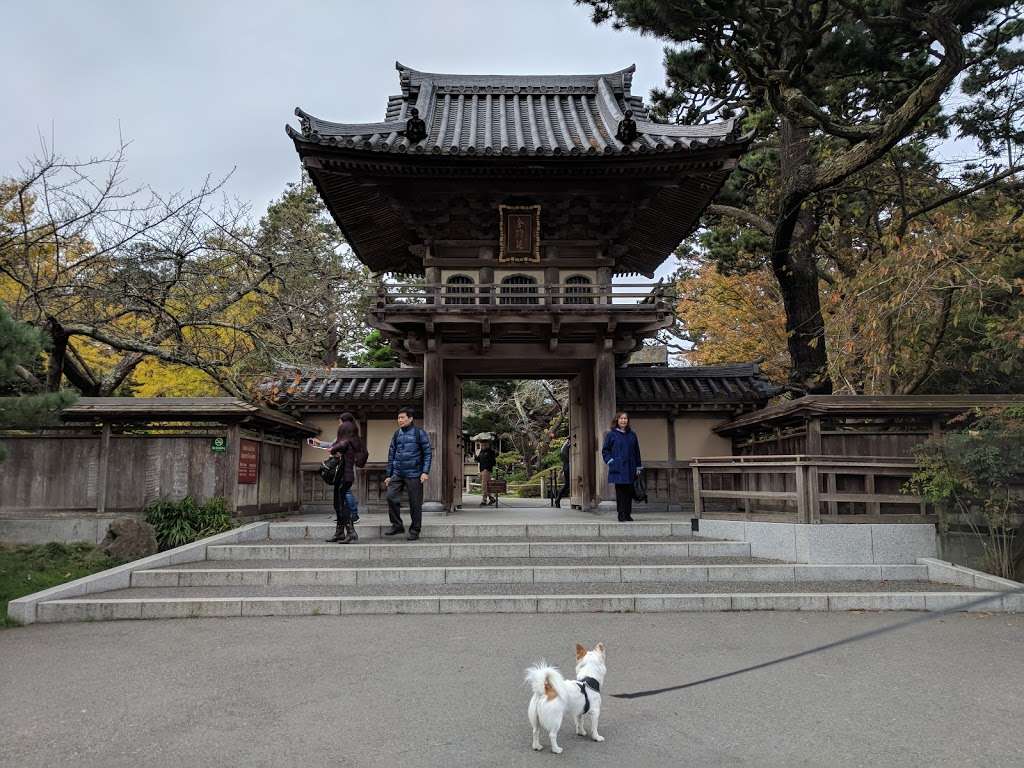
(330,469)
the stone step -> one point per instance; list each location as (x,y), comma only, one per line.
(527,531)
(538,601)
(563,573)
(434,550)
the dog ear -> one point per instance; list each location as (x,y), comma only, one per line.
(580,651)
(600,647)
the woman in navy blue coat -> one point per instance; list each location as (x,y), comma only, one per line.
(621,452)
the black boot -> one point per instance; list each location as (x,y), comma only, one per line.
(350,533)
(339,532)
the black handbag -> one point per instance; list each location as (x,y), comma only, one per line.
(329,469)
(640,488)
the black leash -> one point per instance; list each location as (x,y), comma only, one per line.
(845,641)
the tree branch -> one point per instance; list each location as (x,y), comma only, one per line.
(747,217)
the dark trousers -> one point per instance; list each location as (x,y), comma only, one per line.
(415,490)
(624,500)
(342,514)
(564,490)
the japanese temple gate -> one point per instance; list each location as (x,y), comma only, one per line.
(512,202)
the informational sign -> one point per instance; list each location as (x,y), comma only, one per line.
(248,462)
(219,444)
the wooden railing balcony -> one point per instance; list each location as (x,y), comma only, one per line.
(519,296)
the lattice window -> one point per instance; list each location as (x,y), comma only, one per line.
(518,289)
(458,289)
(579,289)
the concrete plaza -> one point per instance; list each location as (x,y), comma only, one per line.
(448,691)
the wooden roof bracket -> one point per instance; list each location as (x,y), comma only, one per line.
(556,324)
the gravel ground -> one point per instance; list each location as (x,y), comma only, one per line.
(586,588)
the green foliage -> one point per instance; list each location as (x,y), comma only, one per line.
(185,521)
(377,353)
(975,477)
(510,465)
(21,345)
(28,569)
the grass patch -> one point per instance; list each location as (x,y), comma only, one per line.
(28,569)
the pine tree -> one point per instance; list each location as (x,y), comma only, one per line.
(20,346)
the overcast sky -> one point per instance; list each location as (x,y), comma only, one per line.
(205,87)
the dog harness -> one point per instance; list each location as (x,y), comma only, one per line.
(588,682)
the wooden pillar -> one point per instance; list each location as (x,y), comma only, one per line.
(362,489)
(486,278)
(604,411)
(551,289)
(579,430)
(433,276)
(604,286)
(103,470)
(673,504)
(433,422)
(451,443)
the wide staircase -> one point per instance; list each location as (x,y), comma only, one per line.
(497,568)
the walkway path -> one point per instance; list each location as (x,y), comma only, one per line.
(397,691)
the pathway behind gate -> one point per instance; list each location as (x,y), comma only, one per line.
(447,691)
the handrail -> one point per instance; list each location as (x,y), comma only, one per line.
(468,294)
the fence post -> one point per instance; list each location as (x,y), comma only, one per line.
(799,471)
(103,470)
(698,502)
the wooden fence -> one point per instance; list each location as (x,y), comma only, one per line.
(807,489)
(107,472)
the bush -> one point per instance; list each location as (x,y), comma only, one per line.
(182,522)
(974,477)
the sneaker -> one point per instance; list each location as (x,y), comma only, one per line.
(394,530)
(413,535)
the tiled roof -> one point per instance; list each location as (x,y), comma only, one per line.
(867,406)
(730,384)
(351,385)
(643,387)
(531,115)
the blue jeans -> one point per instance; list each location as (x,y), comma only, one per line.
(353,505)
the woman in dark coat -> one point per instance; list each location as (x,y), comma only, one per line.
(348,445)
(621,452)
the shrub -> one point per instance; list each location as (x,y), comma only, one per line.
(182,522)
(974,476)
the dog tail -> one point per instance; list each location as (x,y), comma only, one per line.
(545,681)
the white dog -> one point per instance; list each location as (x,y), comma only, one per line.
(553,696)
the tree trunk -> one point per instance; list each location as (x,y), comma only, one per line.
(792,259)
(58,351)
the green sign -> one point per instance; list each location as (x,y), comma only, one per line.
(219,444)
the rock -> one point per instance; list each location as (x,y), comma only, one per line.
(129,539)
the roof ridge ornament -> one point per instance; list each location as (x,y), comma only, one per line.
(415,128)
(627,130)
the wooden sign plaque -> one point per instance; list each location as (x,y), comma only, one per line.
(519,234)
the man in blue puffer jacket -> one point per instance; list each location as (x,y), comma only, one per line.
(408,468)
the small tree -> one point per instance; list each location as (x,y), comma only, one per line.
(21,346)
(974,476)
